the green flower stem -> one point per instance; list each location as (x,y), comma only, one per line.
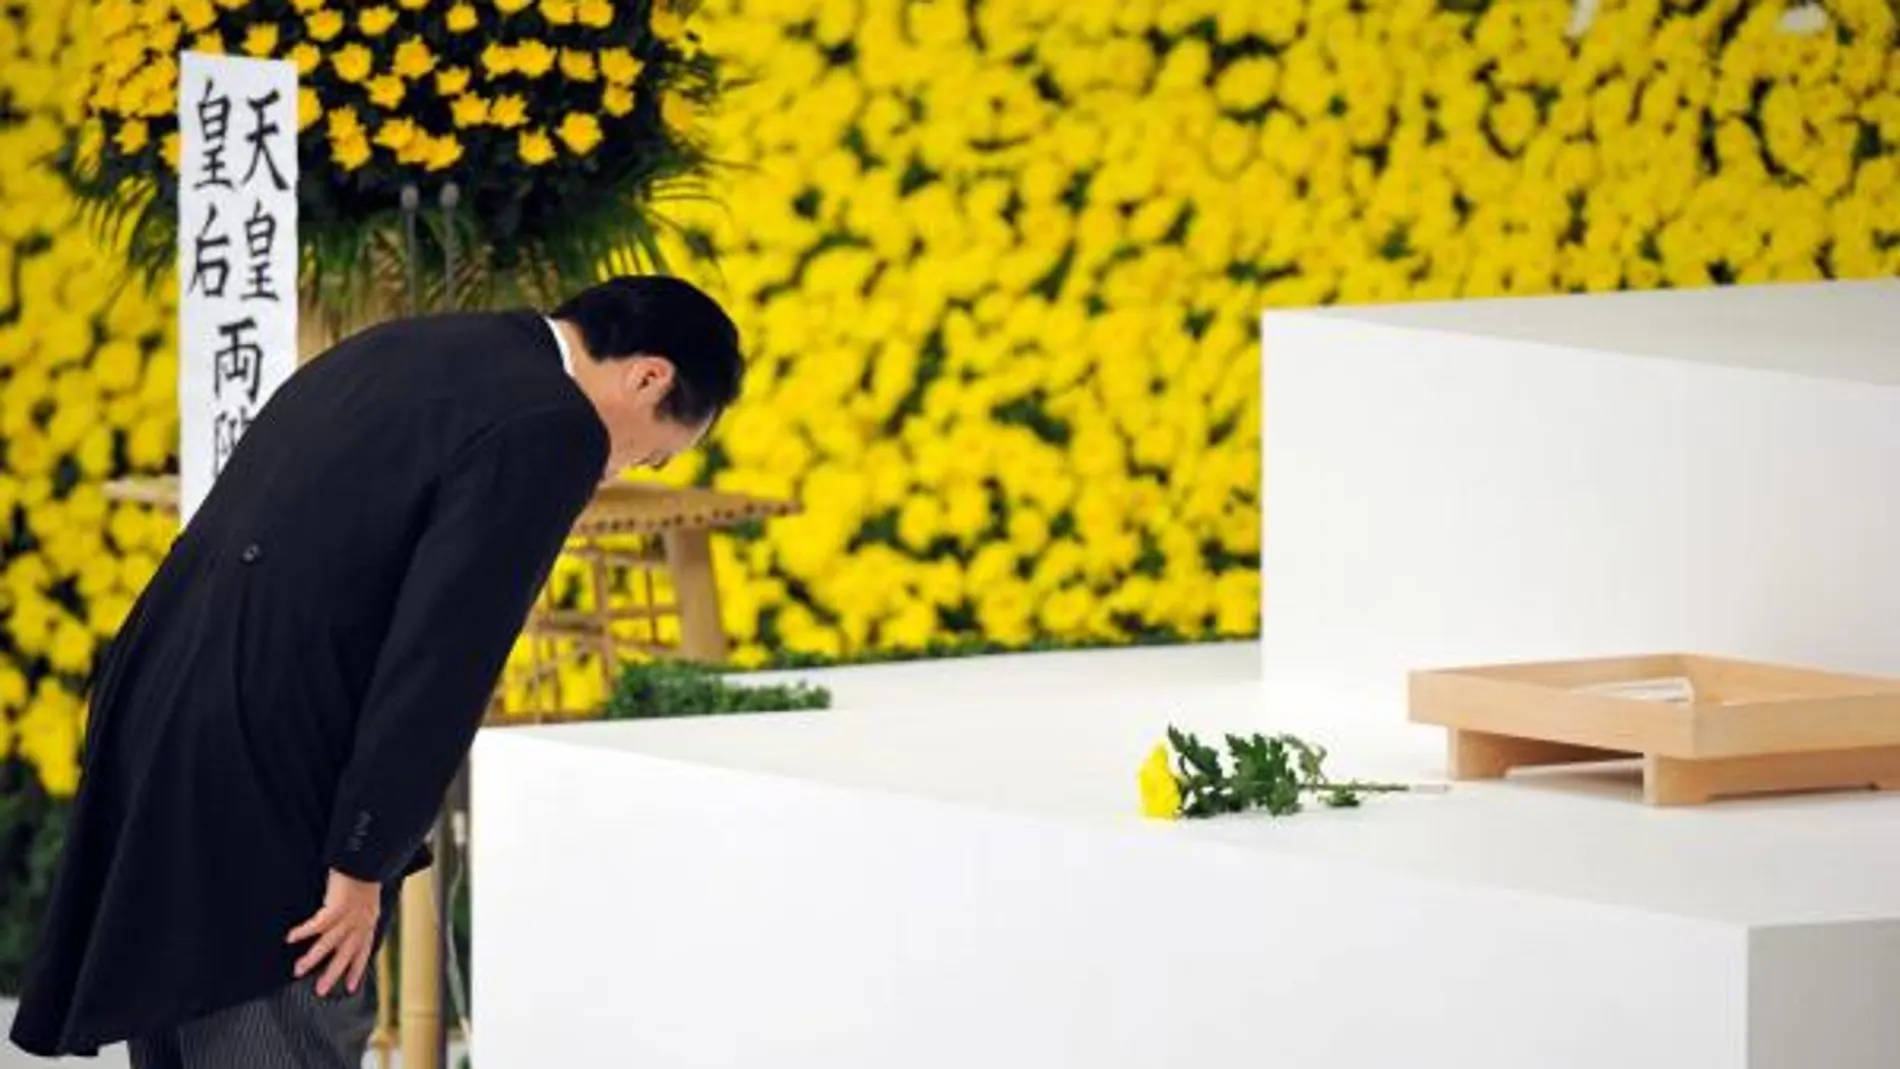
(1262,772)
(1359,787)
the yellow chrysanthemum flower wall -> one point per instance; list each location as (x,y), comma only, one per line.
(88,390)
(1000,265)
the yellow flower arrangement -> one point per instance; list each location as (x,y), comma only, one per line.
(557,172)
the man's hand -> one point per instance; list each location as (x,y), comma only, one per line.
(344,930)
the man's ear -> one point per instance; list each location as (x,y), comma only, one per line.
(648,374)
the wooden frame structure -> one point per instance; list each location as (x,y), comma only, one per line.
(647,555)
(1704,727)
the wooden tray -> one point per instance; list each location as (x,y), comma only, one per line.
(1704,727)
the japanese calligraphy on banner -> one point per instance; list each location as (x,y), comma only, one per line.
(237,254)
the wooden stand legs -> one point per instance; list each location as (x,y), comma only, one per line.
(1670,781)
(696,592)
(1482,755)
(420,1012)
(1676,781)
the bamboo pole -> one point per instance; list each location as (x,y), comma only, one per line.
(385,1008)
(420,1012)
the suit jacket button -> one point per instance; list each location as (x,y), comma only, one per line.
(251,553)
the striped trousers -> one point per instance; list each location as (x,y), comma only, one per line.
(292,1029)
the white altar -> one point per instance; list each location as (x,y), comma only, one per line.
(956,887)
(948,871)
(1711,470)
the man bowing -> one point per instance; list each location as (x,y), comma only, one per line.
(275,727)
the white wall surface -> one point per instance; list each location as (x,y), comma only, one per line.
(1472,483)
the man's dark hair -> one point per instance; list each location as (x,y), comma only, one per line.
(668,317)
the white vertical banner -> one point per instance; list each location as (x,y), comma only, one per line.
(237,254)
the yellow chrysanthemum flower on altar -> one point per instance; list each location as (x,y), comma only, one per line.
(1160,791)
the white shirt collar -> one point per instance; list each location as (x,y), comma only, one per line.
(560,339)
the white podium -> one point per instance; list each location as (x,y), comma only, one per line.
(950,872)
(1707,471)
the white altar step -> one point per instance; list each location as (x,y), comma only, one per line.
(964,886)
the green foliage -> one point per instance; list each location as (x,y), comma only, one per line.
(32,827)
(1270,772)
(674,688)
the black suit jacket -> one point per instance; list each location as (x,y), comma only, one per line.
(297,685)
